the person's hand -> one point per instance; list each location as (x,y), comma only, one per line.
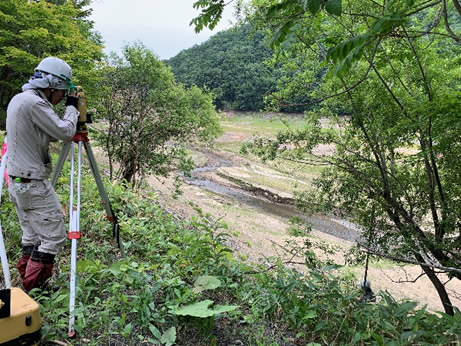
(72,100)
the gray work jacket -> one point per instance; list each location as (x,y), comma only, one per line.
(31,124)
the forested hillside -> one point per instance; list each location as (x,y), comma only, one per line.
(231,65)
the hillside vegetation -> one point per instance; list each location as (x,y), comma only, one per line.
(231,65)
(392,171)
(180,284)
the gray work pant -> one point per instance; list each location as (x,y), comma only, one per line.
(39,213)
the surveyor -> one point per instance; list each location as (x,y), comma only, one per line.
(31,124)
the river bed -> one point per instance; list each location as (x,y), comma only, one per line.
(333,226)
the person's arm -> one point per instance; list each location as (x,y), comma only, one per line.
(47,120)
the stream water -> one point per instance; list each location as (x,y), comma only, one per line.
(336,227)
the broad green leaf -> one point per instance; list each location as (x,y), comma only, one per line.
(388,326)
(356,338)
(83,265)
(224,308)
(127,330)
(314,6)
(201,309)
(60,298)
(347,52)
(321,326)
(206,283)
(365,336)
(155,332)
(310,314)
(404,308)
(169,337)
(334,7)
(115,268)
(420,314)
(281,33)
(378,338)
(389,300)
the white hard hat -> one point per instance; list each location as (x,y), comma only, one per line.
(56,67)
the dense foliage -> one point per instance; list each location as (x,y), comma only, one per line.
(148,117)
(33,30)
(288,14)
(394,168)
(231,65)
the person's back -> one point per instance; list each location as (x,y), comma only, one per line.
(31,124)
(27,144)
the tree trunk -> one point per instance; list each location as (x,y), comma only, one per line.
(440,287)
(128,174)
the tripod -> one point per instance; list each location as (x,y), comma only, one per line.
(81,139)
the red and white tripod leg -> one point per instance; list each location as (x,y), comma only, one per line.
(74,235)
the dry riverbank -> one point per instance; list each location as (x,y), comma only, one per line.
(224,187)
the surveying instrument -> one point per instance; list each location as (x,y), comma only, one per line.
(81,139)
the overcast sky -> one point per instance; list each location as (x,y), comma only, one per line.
(162,25)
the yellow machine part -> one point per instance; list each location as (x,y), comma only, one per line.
(82,105)
(23,325)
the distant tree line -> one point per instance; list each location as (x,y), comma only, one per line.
(231,64)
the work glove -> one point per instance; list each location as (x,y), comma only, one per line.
(72,101)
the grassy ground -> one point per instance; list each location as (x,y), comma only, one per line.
(260,123)
(280,174)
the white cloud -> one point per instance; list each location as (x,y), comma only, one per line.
(162,25)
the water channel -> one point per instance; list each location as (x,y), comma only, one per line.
(336,227)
